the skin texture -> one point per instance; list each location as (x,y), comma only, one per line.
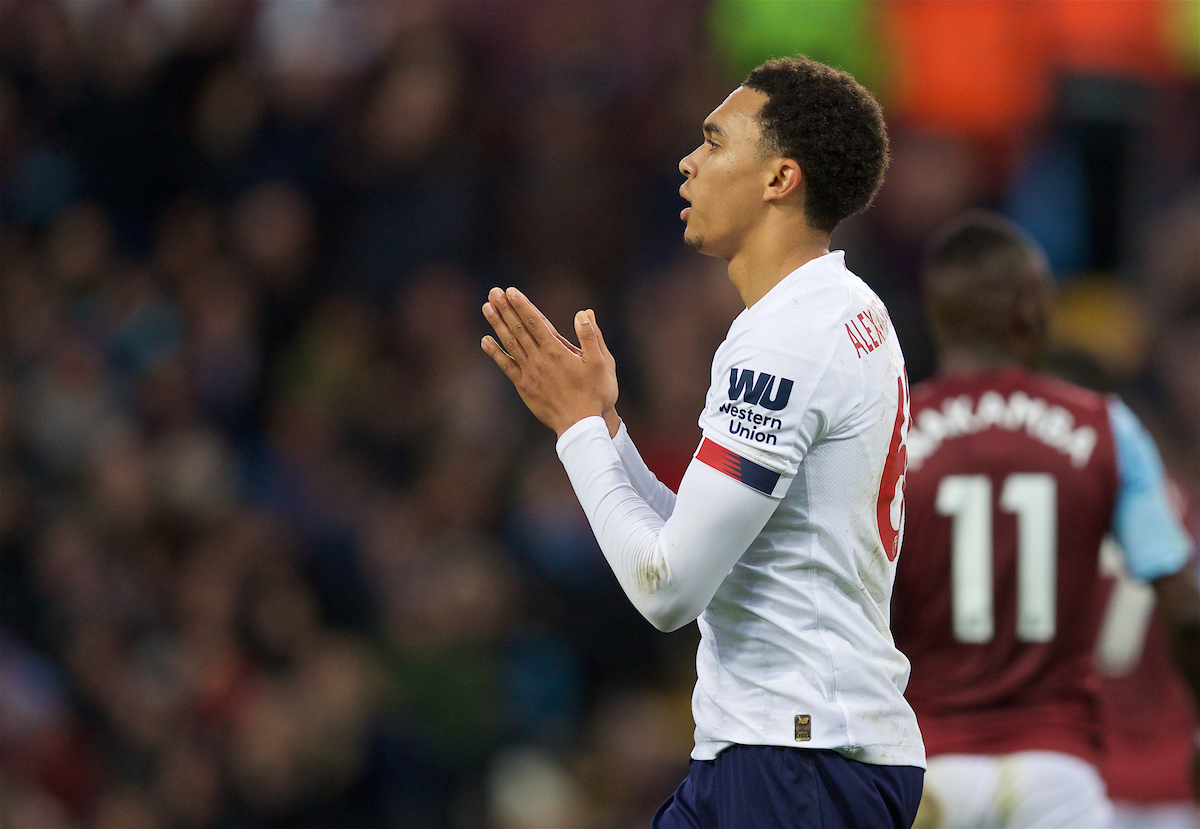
(746,206)
(1023,311)
(746,201)
(561,384)
(1027,324)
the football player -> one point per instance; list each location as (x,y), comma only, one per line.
(1014,479)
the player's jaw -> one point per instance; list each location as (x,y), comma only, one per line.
(690,236)
(709,226)
(704,218)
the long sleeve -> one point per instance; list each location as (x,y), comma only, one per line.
(655,493)
(669,568)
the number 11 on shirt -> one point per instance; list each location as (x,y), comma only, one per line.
(967,499)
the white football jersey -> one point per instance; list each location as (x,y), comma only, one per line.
(808,404)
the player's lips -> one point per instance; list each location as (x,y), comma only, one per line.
(683,214)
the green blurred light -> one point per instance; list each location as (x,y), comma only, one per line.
(837,32)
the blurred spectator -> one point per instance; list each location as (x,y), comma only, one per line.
(267,557)
(529,789)
(1170,289)
(411,192)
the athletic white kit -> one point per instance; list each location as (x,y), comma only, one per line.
(1032,789)
(784,534)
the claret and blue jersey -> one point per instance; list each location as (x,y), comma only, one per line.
(1014,479)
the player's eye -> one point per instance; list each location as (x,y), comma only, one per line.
(711,143)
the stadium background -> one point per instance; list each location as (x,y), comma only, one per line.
(278,545)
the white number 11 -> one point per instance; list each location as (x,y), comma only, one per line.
(1033,497)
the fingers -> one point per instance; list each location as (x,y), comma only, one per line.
(590,338)
(508,340)
(599,336)
(587,332)
(530,327)
(507,364)
(574,349)
(535,321)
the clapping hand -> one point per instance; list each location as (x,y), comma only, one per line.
(559,382)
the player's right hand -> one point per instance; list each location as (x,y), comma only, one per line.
(559,382)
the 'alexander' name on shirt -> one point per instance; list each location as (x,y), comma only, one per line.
(868,330)
(1052,425)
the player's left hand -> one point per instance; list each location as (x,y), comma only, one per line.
(560,383)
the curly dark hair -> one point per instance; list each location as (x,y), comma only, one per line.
(831,126)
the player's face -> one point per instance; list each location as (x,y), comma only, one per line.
(725,177)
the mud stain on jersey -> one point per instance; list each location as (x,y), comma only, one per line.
(650,577)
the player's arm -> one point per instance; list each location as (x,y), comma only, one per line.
(657,494)
(559,383)
(562,383)
(1154,543)
(670,569)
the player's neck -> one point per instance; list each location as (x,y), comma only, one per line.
(769,254)
(976,360)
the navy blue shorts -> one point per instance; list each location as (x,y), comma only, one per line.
(755,787)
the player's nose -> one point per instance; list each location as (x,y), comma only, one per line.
(687,165)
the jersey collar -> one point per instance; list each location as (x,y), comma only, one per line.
(830,267)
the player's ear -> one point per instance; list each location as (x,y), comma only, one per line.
(1030,323)
(784,179)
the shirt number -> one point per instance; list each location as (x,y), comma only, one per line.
(1033,497)
(889,504)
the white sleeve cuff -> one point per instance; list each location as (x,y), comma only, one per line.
(578,431)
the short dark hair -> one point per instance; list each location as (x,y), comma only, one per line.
(831,126)
(980,270)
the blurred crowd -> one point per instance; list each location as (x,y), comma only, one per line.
(279,547)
